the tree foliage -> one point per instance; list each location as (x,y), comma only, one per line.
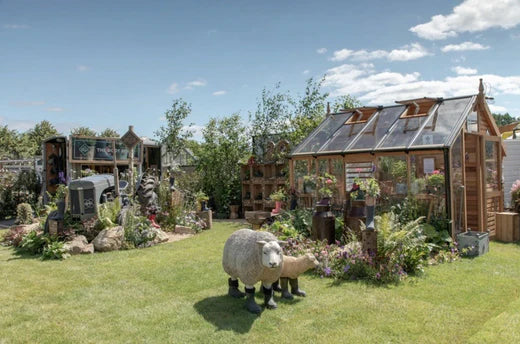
(8,140)
(225,143)
(83,131)
(108,132)
(41,132)
(504,119)
(173,134)
(345,102)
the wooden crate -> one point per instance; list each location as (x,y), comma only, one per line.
(507,227)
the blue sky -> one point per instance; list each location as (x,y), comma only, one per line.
(114,63)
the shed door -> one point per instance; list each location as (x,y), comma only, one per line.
(492,185)
(474,213)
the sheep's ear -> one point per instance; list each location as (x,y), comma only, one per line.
(261,243)
(282,243)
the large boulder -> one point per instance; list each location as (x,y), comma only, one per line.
(78,245)
(110,239)
(160,236)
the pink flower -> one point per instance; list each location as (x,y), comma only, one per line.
(329,181)
(436,172)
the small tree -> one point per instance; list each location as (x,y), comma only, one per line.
(109,133)
(39,133)
(345,102)
(83,131)
(173,134)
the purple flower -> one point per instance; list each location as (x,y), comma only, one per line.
(327,271)
(378,275)
(346,268)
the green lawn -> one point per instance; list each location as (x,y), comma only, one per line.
(176,293)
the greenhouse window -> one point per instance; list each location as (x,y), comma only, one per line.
(418,107)
(361,115)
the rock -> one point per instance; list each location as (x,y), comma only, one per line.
(32,227)
(109,239)
(184,230)
(78,245)
(160,235)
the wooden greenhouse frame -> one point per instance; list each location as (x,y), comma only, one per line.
(456,137)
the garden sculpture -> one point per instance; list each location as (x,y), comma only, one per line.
(252,257)
(291,269)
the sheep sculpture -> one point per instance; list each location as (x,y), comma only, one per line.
(291,269)
(252,257)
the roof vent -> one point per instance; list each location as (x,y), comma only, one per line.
(361,115)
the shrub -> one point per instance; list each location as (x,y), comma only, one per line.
(190,219)
(14,236)
(54,250)
(108,213)
(33,243)
(137,229)
(24,214)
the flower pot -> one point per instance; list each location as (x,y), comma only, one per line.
(370,201)
(323,223)
(278,207)
(234,211)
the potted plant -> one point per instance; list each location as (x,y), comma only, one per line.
(435,183)
(61,194)
(327,186)
(399,173)
(370,189)
(278,197)
(201,199)
(309,184)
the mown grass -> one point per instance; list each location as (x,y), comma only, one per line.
(176,293)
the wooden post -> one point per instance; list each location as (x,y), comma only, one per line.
(116,172)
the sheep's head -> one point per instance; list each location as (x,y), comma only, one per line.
(311,261)
(271,253)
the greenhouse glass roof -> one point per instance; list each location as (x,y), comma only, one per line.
(416,124)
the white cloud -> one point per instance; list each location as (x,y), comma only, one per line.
(497,108)
(219,93)
(196,83)
(471,16)
(374,87)
(25,103)
(321,51)
(408,52)
(55,109)
(174,88)
(16,26)
(82,68)
(305,72)
(463,47)
(464,71)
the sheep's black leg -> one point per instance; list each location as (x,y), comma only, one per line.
(285,289)
(276,286)
(251,304)
(233,290)
(294,288)
(268,298)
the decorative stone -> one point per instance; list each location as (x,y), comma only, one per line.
(78,245)
(109,239)
(160,236)
(184,230)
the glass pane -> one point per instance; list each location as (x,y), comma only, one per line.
(343,137)
(337,171)
(458,190)
(376,130)
(442,123)
(472,122)
(403,132)
(355,170)
(427,175)
(300,170)
(325,130)
(323,166)
(392,173)
(491,166)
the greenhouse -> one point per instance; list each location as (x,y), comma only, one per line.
(443,155)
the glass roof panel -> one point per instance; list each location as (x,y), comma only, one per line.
(326,129)
(442,123)
(404,132)
(375,131)
(342,138)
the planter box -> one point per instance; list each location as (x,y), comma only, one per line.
(477,241)
(508,227)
